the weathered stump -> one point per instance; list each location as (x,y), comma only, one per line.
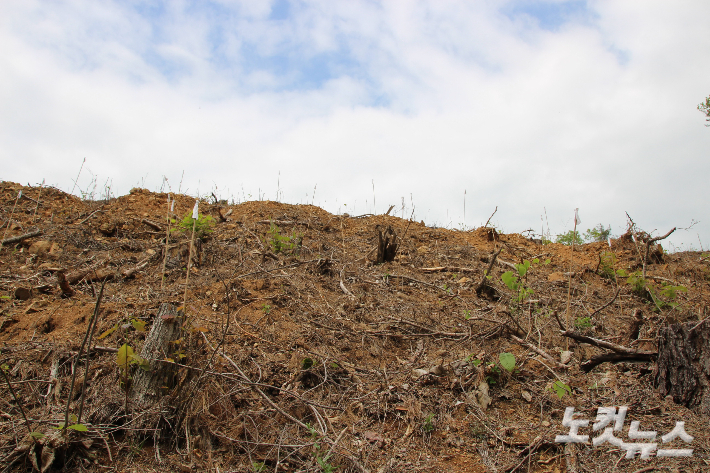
(386,245)
(148,386)
(683,369)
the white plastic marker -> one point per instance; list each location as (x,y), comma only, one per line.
(577,220)
(9,220)
(195,216)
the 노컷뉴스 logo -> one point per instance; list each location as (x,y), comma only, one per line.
(612,420)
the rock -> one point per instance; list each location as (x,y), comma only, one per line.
(23,293)
(565,357)
(464,280)
(418,373)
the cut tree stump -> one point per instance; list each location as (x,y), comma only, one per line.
(148,386)
(386,245)
(683,370)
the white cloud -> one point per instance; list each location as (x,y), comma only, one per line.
(428,99)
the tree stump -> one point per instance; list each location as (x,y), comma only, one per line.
(386,245)
(683,369)
(148,386)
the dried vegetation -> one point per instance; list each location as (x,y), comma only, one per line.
(296,351)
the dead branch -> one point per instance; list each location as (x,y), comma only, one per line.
(648,247)
(590,364)
(539,351)
(599,343)
(618,290)
(489,218)
(19,238)
(482,284)
(152,224)
(448,269)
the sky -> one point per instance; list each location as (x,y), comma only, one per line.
(445,109)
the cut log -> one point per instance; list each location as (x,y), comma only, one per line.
(683,369)
(149,386)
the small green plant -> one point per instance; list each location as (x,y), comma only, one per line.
(515,282)
(560,388)
(75,426)
(583,322)
(204,225)
(323,461)
(127,357)
(428,425)
(569,238)
(258,467)
(607,260)
(283,243)
(598,233)
(507,361)
(266,308)
(466,314)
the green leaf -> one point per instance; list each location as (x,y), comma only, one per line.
(510,280)
(507,361)
(37,435)
(5,297)
(125,355)
(139,325)
(561,389)
(78,427)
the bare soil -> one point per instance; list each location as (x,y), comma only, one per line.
(300,354)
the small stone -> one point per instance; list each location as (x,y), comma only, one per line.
(565,357)
(545,423)
(23,293)
(418,373)
(464,280)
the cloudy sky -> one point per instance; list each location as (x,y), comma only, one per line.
(533,107)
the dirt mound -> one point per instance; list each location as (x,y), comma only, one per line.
(296,352)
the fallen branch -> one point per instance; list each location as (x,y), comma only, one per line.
(448,269)
(539,351)
(590,364)
(152,224)
(19,238)
(600,343)
(482,284)
(618,290)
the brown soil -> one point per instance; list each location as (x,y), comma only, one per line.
(385,363)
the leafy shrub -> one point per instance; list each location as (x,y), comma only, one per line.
(569,237)
(203,225)
(598,233)
(283,243)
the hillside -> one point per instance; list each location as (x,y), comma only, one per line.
(297,352)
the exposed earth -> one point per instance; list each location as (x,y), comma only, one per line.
(296,351)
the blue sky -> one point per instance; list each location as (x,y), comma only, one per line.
(535,107)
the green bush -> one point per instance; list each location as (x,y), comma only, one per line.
(598,233)
(569,237)
(203,225)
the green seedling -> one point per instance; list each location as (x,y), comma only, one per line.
(266,308)
(466,314)
(283,243)
(204,225)
(126,357)
(583,322)
(75,426)
(428,426)
(560,388)
(515,281)
(607,260)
